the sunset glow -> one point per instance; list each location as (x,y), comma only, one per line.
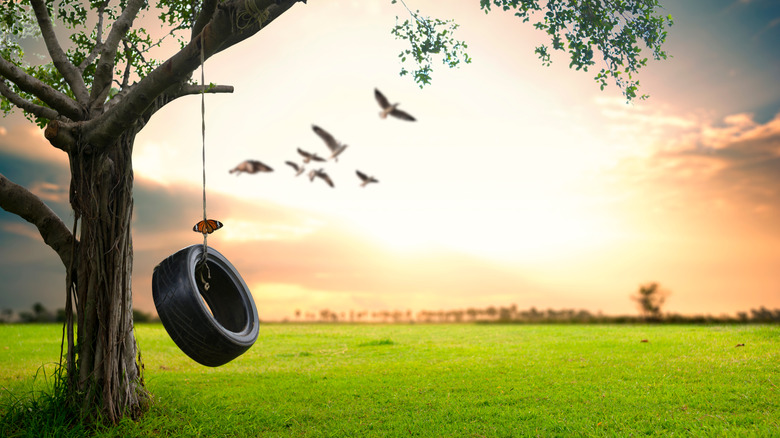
(518,183)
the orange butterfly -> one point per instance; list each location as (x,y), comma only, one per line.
(208,226)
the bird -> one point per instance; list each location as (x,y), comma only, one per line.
(321,174)
(207,226)
(335,147)
(392,110)
(251,166)
(365,178)
(307,156)
(298,169)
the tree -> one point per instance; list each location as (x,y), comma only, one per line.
(99,91)
(6,315)
(650,298)
(41,313)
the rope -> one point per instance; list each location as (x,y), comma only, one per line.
(203,140)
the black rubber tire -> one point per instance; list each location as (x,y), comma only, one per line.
(211,326)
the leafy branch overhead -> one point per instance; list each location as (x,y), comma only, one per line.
(608,34)
(428,37)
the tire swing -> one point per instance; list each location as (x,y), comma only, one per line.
(201,299)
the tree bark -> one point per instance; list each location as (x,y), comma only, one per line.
(104,367)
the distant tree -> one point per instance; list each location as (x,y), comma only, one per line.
(765,315)
(650,297)
(139,316)
(26,317)
(584,316)
(6,315)
(41,313)
(38,310)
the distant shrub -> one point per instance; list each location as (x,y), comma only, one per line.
(377,343)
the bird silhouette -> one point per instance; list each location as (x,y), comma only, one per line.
(335,147)
(307,156)
(365,178)
(298,169)
(392,110)
(251,166)
(320,173)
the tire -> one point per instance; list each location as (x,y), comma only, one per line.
(212,326)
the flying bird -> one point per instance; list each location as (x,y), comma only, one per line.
(392,110)
(365,178)
(307,156)
(335,147)
(321,174)
(251,166)
(298,169)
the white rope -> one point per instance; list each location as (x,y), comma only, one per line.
(203,140)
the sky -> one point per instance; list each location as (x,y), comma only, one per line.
(518,183)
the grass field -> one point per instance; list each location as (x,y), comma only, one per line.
(445,380)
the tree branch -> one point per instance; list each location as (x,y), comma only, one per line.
(206,12)
(249,17)
(26,105)
(185,90)
(61,61)
(98,38)
(233,21)
(20,201)
(61,135)
(58,101)
(104,72)
(129,58)
(189,89)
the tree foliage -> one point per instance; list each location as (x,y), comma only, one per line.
(613,28)
(428,38)
(607,34)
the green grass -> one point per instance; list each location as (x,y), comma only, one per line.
(448,380)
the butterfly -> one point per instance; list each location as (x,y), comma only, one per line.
(208,226)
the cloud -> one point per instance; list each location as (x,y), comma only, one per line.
(284,253)
(730,166)
(31,271)
(21,229)
(50,191)
(740,154)
(25,140)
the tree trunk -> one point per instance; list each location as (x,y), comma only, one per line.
(104,367)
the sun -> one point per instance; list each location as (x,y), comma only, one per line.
(492,229)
